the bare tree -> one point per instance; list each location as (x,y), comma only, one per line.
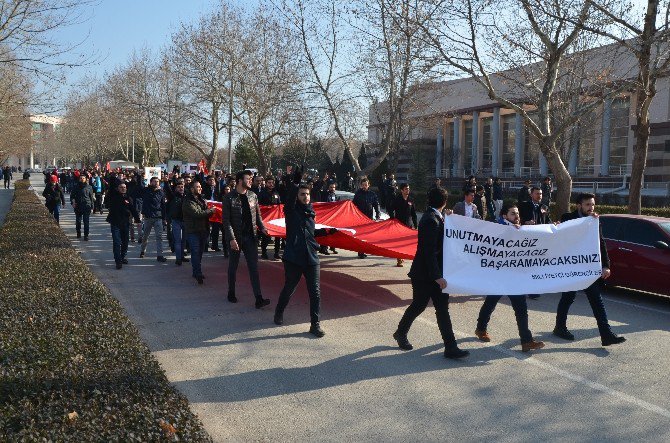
(526,43)
(648,42)
(268,82)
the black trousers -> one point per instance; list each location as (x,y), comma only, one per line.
(292,275)
(422,292)
(247,246)
(214,230)
(520,312)
(597,306)
(265,241)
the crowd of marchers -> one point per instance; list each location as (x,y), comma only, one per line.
(175,204)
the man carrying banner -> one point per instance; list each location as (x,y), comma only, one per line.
(586,204)
(509,215)
(300,255)
(427,280)
(533,212)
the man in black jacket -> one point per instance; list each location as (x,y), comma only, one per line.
(427,280)
(533,212)
(367,202)
(121,208)
(402,209)
(330,196)
(153,210)
(300,255)
(241,220)
(586,204)
(269,196)
(83,201)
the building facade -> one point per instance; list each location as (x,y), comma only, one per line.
(465,133)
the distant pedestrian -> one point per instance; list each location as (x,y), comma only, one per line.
(121,209)
(196,220)
(83,201)
(402,208)
(367,202)
(54,197)
(153,210)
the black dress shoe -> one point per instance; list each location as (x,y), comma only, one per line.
(264,256)
(563,333)
(279,318)
(86,238)
(231,297)
(161,259)
(455,352)
(185,260)
(177,262)
(200,279)
(316,330)
(262,302)
(119,266)
(124,261)
(403,343)
(612,340)
(216,249)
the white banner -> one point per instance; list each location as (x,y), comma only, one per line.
(152,171)
(484,258)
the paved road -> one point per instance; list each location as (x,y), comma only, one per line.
(250,380)
(6,198)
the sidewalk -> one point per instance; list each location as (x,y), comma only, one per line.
(6,198)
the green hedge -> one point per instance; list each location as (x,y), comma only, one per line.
(611,209)
(72,366)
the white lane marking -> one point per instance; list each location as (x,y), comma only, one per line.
(530,360)
(660,311)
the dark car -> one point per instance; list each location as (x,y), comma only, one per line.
(639,251)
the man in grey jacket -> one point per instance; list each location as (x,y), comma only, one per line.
(82,200)
(467,206)
(241,222)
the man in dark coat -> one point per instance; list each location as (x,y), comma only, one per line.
(586,204)
(427,280)
(153,210)
(524,193)
(83,201)
(121,208)
(241,222)
(402,209)
(300,255)
(367,202)
(54,197)
(269,196)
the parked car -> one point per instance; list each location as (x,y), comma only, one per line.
(639,251)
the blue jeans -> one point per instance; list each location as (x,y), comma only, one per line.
(120,242)
(56,213)
(520,312)
(177,235)
(85,214)
(247,245)
(197,241)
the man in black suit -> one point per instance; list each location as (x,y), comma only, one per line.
(427,280)
(586,204)
(533,212)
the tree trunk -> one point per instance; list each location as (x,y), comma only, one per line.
(640,149)
(562,176)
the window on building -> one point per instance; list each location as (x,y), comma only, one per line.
(508,142)
(467,146)
(619,130)
(487,153)
(586,153)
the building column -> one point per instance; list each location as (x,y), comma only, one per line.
(457,145)
(544,167)
(605,143)
(32,159)
(438,153)
(474,163)
(518,144)
(574,148)
(495,142)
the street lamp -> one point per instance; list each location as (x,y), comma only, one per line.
(133,126)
